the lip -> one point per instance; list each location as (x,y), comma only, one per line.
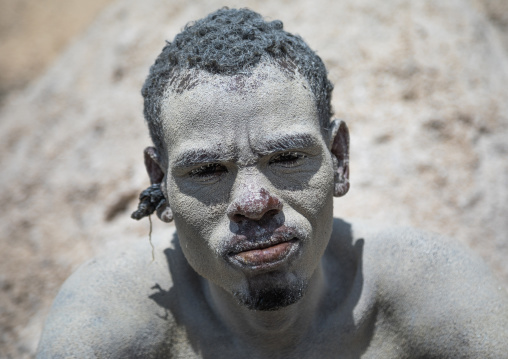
(266,255)
(267,251)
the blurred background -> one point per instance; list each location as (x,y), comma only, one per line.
(33,33)
(422,85)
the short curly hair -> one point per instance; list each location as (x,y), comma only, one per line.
(226,42)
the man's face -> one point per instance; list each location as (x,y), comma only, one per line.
(249,181)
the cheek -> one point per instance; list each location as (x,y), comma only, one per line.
(315,200)
(195,204)
(193,217)
(314,206)
(196,216)
(202,228)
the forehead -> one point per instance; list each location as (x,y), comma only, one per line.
(201,108)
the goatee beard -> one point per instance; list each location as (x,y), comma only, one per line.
(270,294)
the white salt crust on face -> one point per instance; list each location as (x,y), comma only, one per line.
(258,90)
(233,116)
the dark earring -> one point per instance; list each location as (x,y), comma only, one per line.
(164,213)
(150,200)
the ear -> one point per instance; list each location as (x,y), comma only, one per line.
(154,169)
(153,165)
(339,147)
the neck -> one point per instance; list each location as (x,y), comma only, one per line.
(267,330)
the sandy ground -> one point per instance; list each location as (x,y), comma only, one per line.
(421,84)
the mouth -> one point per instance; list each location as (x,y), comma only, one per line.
(266,255)
(263,254)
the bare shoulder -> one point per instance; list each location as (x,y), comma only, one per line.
(114,304)
(440,296)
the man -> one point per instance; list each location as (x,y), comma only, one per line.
(246,162)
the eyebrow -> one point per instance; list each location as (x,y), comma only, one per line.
(285,143)
(194,157)
(198,156)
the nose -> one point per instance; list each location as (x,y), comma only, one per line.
(253,204)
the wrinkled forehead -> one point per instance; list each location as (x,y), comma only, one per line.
(270,96)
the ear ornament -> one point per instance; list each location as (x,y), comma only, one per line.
(151,200)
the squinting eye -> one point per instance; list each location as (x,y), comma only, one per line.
(288,159)
(208,171)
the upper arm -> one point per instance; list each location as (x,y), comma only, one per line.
(443,298)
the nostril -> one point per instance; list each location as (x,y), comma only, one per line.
(272,212)
(241,214)
(237,218)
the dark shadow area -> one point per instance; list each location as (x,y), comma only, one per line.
(342,263)
(186,303)
(343,267)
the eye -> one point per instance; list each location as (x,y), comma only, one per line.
(208,171)
(288,159)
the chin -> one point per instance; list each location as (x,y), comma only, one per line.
(272,291)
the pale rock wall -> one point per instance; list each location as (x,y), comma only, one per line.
(422,86)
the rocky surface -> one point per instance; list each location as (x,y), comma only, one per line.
(33,33)
(421,84)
